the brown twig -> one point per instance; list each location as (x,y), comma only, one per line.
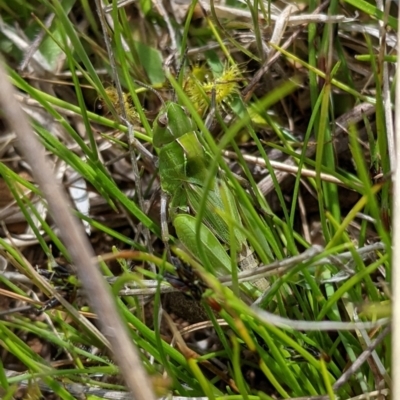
(73,235)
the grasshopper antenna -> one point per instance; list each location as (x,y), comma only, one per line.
(179,71)
(148,87)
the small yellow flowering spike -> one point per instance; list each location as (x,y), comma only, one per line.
(196,94)
(130,111)
(193,87)
(226,85)
(199,87)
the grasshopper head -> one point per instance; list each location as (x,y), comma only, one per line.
(171,123)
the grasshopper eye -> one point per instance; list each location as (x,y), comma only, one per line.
(162,120)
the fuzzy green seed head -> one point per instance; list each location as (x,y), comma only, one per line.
(199,87)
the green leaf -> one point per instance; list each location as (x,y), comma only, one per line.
(152,62)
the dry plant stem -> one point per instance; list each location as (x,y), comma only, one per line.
(282,322)
(378,369)
(163,12)
(120,4)
(361,359)
(232,13)
(281,166)
(303,218)
(15,310)
(75,239)
(36,43)
(249,89)
(280,27)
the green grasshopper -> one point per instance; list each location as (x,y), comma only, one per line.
(183,166)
